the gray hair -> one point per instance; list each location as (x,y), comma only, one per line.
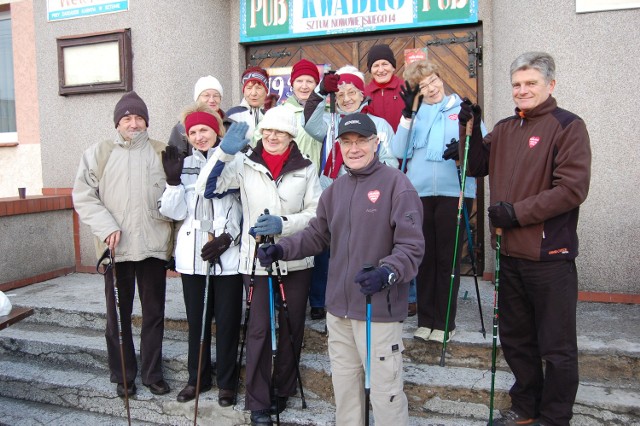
(540,61)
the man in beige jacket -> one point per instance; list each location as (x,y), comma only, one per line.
(116,193)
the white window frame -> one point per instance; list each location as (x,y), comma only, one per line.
(8,137)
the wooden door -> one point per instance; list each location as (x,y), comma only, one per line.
(456,51)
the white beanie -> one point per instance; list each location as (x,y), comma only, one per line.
(5,304)
(280,118)
(204,83)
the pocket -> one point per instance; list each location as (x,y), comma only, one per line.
(156,231)
(387,360)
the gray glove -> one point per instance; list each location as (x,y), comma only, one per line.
(234,140)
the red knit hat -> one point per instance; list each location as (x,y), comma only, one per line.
(305,67)
(256,74)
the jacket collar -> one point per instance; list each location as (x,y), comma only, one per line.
(544,108)
(296,160)
(366,170)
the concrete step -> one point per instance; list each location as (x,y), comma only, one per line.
(430,388)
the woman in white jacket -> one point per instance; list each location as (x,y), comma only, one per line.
(217,220)
(274,175)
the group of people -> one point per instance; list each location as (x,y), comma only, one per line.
(314,192)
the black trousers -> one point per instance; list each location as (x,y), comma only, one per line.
(537,322)
(152,284)
(434,274)
(225,300)
(259,354)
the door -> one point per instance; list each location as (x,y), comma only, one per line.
(456,51)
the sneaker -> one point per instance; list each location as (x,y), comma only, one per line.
(422,333)
(511,418)
(438,336)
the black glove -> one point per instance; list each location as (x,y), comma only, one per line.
(172,162)
(269,253)
(467,111)
(372,280)
(503,215)
(171,264)
(329,84)
(452,152)
(214,248)
(408,95)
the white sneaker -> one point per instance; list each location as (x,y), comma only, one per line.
(422,333)
(438,335)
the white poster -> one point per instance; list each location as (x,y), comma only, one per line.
(600,5)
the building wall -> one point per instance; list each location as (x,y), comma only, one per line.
(597,77)
(20,166)
(172,47)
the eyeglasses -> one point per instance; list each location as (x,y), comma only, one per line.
(207,96)
(359,143)
(277,133)
(429,84)
(349,93)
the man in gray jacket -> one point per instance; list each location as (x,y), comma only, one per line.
(116,193)
(371,220)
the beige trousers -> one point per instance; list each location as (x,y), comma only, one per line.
(348,352)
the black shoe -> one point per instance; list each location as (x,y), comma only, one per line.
(189,392)
(226,397)
(131,389)
(261,417)
(511,418)
(317,313)
(278,405)
(159,388)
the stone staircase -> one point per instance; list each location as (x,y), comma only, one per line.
(53,366)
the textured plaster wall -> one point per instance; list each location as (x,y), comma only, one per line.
(34,244)
(597,63)
(21,166)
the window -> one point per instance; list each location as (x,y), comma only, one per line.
(7,93)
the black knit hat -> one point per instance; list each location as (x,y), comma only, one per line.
(130,103)
(380,51)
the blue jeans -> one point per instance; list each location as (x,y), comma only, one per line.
(413,297)
(319,280)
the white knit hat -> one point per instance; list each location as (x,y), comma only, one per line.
(280,118)
(204,83)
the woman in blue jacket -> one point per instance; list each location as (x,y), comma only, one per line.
(437,183)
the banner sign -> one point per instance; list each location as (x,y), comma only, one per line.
(280,80)
(263,20)
(58,10)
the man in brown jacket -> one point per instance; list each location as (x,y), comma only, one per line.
(538,162)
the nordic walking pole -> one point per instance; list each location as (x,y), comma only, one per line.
(272,322)
(416,105)
(494,347)
(252,280)
(367,368)
(111,255)
(463,175)
(472,255)
(204,321)
(285,308)
(332,128)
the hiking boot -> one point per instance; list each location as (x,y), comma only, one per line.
(438,336)
(422,333)
(412,309)
(511,418)
(317,313)
(261,417)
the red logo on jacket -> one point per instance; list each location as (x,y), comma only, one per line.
(373,195)
(533,141)
(453,117)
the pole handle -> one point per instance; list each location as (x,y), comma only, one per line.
(499,231)
(416,103)
(469,128)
